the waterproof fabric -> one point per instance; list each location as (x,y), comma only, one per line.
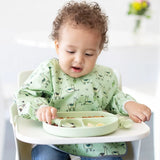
(96,91)
(95,150)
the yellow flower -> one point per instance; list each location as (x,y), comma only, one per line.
(137,6)
(144,4)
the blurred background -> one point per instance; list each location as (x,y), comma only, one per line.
(24,29)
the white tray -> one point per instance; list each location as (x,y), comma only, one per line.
(31,131)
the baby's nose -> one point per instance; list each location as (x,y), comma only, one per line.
(79,58)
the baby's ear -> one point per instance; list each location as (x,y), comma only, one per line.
(56,46)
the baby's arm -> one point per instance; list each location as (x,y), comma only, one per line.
(46,113)
(36,91)
(138,112)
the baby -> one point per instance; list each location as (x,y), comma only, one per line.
(74,82)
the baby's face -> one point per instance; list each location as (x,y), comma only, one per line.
(78,49)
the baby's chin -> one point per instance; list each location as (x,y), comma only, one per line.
(76,75)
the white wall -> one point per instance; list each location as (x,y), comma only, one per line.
(22,16)
(32,20)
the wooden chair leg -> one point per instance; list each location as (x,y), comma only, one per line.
(24,150)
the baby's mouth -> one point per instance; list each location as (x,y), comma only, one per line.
(76,69)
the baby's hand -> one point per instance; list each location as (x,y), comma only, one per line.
(138,112)
(46,114)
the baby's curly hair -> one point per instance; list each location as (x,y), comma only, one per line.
(82,13)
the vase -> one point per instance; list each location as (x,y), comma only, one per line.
(137,26)
(138,30)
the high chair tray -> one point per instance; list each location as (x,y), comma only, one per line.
(82,124)
(31,131)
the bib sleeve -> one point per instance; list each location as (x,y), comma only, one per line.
(36,91)
(118,101)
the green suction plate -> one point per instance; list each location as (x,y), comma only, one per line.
(82,124)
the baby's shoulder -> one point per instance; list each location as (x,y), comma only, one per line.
(104,69)
(49,63)
(105,72)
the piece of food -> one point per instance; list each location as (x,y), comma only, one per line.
(99,124)
(90,125)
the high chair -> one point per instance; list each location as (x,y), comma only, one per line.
(23,148)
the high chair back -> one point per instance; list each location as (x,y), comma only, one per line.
(23,150)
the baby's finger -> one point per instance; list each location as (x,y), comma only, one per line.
(135,119)
(142,116)
(147,113)
(44,116)
(54,112)
(48,116)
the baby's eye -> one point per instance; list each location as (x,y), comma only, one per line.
(88,54)
(71,52)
